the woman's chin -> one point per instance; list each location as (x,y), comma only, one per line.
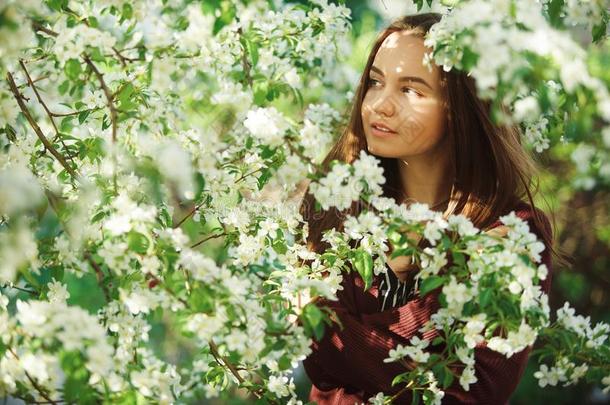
(383,149)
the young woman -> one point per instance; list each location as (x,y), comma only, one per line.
(438,145)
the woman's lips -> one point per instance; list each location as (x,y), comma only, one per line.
(381,130)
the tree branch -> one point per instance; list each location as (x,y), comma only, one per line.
(37,387)
(107,93)
(187,216)
(207,238)
(223,361)
(36,128)
(49,113)
(39,27)
(99,274)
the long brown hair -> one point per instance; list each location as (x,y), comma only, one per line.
(493,172)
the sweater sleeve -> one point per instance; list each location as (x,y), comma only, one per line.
(353,355)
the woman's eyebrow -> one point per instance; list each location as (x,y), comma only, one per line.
(404,78)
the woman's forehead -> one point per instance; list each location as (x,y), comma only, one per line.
(403,53)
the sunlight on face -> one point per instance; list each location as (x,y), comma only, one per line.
(405,97)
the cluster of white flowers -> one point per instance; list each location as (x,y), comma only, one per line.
(281,385)
(127,216)
(515,342)
(267,125)
(74,40)
(19,189)
(72,326)
(595,336)
(199,30)
(587,13)
(497,33)
(585,158)
(563,371)
(457,294)
(345,183)
(472,330)
(316,134)
(156,379)
(520,280)
(18,248)
(415,351)
(368,230)
(534,134)
(15,32)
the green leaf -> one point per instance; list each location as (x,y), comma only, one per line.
(279,245)
(402,252)
(447,377)
(63,88)
(437,341)
(459,259)
(125,97)
(485,297)
(83,116)
(252,51)
(363,262)
(29,277)
(73,69)
(430,284)
(599,31)
(127,12)
(137,242)
(400,378)
(57,5)
(260,93)
(469,59)
(416,398)
(313,318)
(555,8)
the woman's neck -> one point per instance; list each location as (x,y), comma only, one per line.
(426,180)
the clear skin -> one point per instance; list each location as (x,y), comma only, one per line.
(405,96)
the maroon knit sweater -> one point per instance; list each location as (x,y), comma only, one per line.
(346,366)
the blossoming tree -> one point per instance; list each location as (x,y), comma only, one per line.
(151,156)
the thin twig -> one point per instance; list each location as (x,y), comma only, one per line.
(44,106)
(223,361)
(107,93)
(121,58)
(39,27)
(25,290)
(42,392)
(207,238)
(36,128)
(187,216)
(245,62)
(75,112)
(98,271)
(124,59)
(245,175)
(43,77)
(99,274)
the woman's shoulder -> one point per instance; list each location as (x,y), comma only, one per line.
(536,218)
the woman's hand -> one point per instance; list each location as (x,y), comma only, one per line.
(401,265)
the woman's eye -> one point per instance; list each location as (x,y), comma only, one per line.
(373,82)
(407,89)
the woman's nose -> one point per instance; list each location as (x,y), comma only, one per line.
(384,105)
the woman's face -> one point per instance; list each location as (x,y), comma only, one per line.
(404,97)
